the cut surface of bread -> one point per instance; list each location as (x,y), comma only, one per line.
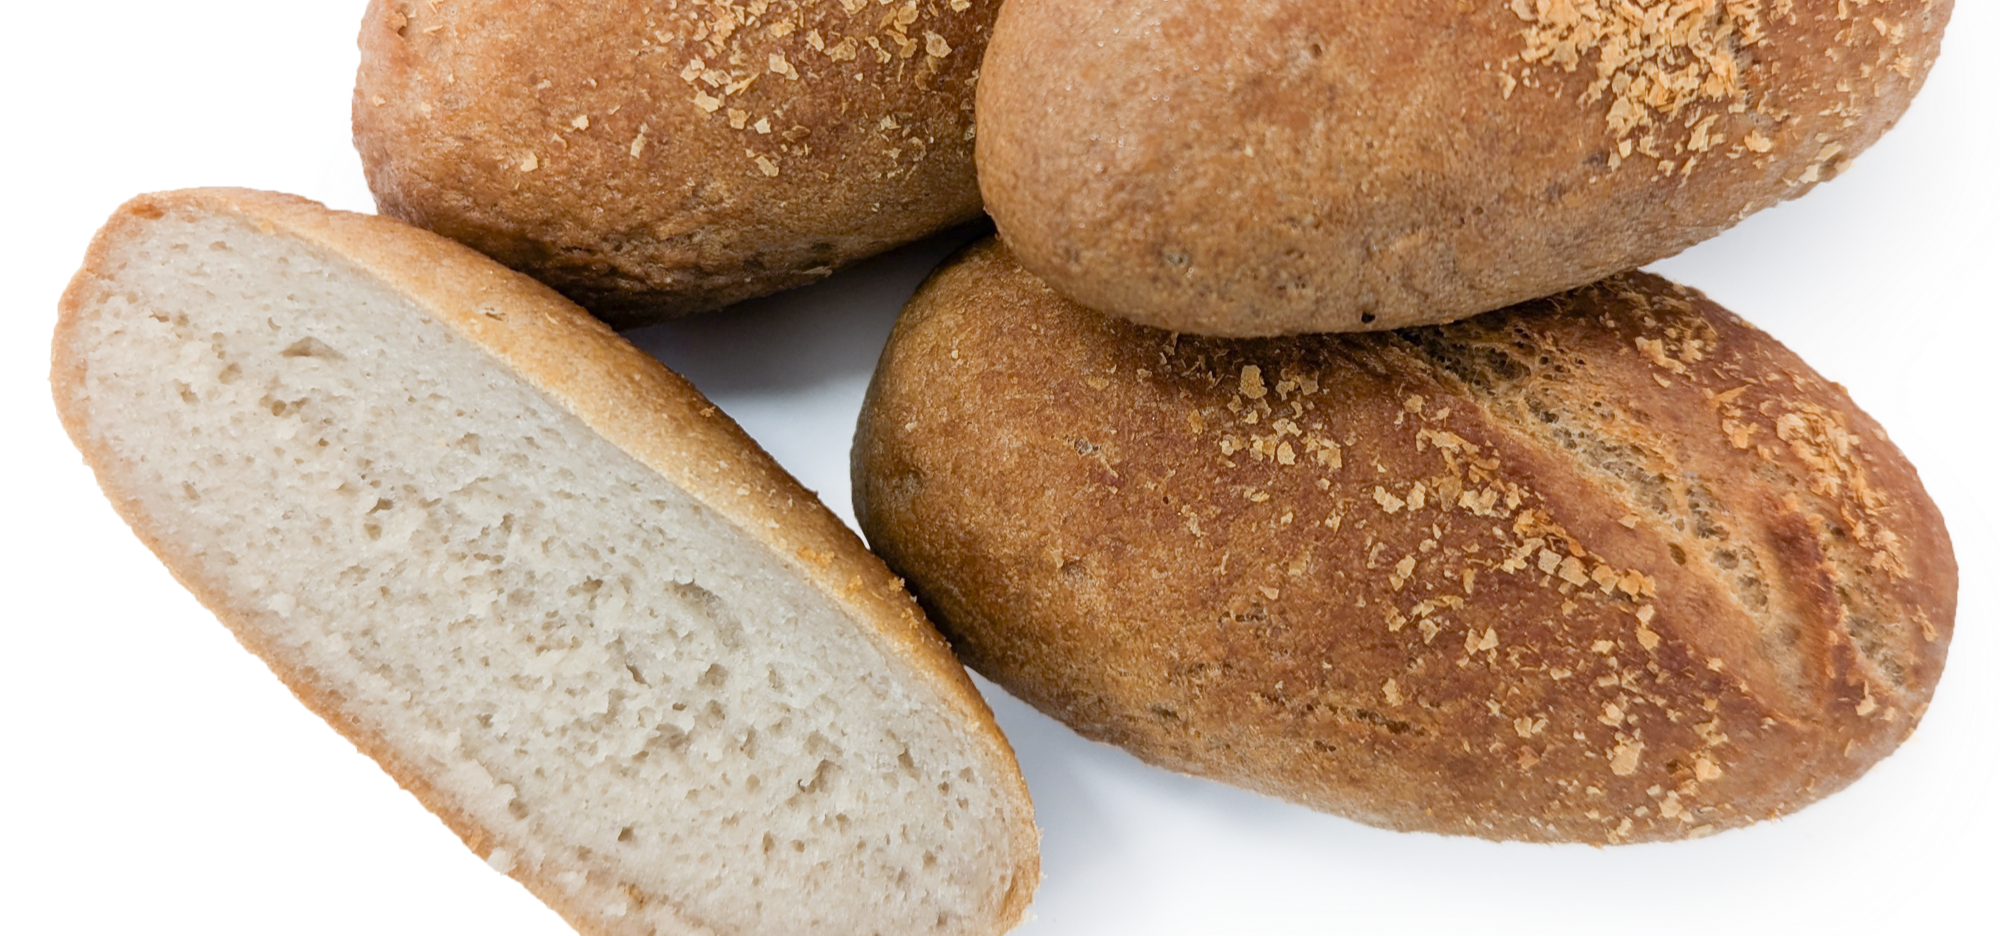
(537,577)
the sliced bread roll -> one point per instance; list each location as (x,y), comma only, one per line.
(1611,566)
(543,582)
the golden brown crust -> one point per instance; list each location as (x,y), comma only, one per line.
(1608,567)
(1284,166)
(627,397)
(650,161)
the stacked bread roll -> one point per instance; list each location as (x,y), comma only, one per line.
(1263,167)
(1606,566)
(1611,566)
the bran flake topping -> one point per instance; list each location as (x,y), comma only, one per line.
(1653,58)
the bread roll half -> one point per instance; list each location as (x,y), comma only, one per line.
(1607,567)
(547,586)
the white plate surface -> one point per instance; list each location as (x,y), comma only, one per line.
(1859,277)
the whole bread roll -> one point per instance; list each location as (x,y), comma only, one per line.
(1266,167)
(545,584)
(1608,567)
(650,160)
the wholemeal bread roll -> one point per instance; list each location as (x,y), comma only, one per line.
(650,160)
(537,577)
(1608,567)
(1265,167)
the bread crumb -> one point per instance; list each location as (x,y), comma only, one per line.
(1705,769)
(1390,503)
(1655,351)
(1548,561)
(1251,382)
(1476,642)
(501,860)
(1647,639)
(1625,756)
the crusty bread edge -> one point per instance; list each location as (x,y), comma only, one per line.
(621,393)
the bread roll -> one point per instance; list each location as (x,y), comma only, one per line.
(650,160)
(1265,167)
(1608,567)
(539,579)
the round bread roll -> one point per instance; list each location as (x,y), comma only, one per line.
(652,160)
(1608,567)
(1271,167)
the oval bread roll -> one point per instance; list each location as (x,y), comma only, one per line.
(545,584)
(650,160)
(1608,567)
(1266,167)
